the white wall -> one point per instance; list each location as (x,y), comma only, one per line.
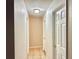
(49,29)
(20,17)
(48,36)
(56,4)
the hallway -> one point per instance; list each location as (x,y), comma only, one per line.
(40,29)
(36,53)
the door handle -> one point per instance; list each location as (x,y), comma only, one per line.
(44,52)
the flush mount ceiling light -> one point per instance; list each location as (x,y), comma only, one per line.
(36,11)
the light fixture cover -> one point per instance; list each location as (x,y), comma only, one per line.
(36,11)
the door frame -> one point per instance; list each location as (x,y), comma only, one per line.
(10,29)
(68,44)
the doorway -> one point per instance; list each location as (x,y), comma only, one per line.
(36,37)
(60,33)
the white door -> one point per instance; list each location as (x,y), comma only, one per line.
(60,34)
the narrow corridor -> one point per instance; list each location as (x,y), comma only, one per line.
(36,53)
(40,29)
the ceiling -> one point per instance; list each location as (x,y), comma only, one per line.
(30,5)
(37,4)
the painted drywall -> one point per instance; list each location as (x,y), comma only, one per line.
(20,30)
(35,31)
(48,36)
(20,40)
(56,4)
(49,29)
